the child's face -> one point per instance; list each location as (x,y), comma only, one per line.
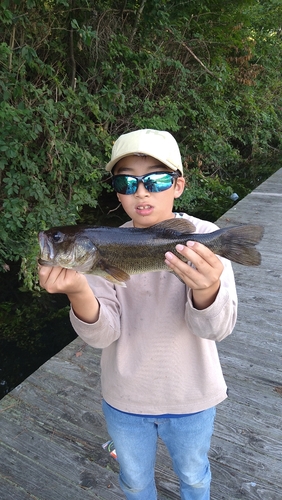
(143,207)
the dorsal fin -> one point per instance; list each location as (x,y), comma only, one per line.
(172,226)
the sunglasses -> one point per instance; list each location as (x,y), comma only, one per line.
(156,182)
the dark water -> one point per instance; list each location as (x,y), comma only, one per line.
(33,328)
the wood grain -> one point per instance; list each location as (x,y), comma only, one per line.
(52,428)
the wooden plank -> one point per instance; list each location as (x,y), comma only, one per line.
(56,448)
(62,470)
(52,428)
(246,451)
(228,484)
(11,491)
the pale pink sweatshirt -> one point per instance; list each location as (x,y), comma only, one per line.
(159,353)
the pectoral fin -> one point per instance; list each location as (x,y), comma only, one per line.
(114,274)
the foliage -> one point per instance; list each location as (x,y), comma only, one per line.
(74,76)
(207,197)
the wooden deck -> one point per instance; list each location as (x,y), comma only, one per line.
(52,428)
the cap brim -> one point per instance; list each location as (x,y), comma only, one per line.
(112,163)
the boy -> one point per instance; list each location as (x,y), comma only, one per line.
(160,371)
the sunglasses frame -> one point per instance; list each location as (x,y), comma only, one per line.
(140,178)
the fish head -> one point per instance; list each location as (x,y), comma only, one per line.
(67,247)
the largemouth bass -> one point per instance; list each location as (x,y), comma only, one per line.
(116,253)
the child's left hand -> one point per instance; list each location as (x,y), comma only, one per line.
(204,279)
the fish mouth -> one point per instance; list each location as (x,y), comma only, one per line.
(43,262)
(47,251)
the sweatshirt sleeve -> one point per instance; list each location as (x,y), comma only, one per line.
(107,329)
(218,320)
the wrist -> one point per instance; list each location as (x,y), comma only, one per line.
(204,297)
(85,305)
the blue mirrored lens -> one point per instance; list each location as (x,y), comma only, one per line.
(154,183)
(125,184)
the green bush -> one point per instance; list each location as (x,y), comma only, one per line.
(73,79)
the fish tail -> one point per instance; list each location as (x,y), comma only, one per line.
(238,244)
(248,256)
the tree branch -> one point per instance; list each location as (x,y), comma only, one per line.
(12,44)
(73,62)
(195,57)
(137,21)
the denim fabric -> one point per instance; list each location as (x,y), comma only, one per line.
(187,439)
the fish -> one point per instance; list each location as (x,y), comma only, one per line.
(118,253)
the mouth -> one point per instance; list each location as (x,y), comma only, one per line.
(144,209)
(47,252)
(43,262)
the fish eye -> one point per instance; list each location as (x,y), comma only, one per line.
(58,237)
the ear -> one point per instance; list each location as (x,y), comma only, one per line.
(179,187)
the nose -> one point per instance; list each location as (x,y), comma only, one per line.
(141,190)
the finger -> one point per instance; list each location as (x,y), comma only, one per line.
(193,248)
(206,261)
(49,275)
(190,256)
(184,270)
(206,269)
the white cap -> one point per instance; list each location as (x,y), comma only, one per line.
(156,143)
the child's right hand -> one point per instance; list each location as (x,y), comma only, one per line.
(75,286)
(59,280)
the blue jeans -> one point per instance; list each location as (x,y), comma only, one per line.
(186,438)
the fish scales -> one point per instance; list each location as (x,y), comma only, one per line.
(116,253)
